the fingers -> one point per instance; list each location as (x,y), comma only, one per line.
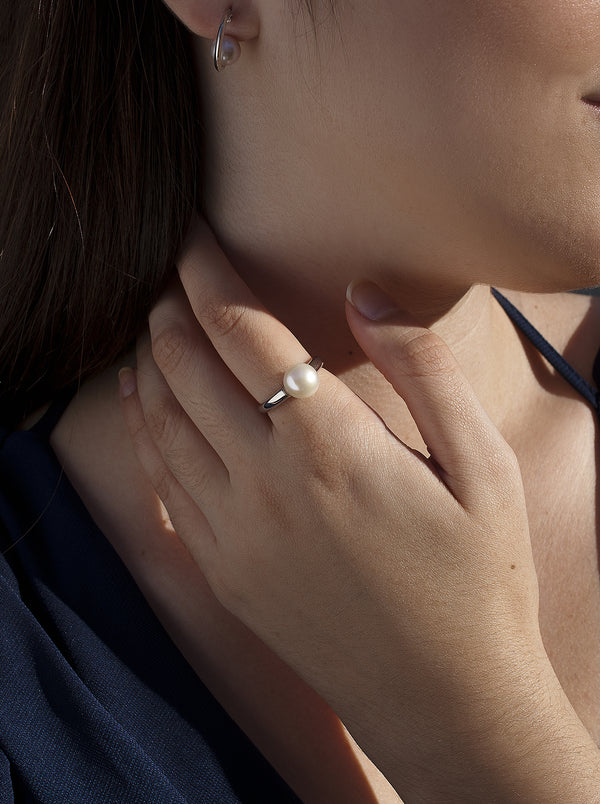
(187,519)
(179,462)
(212,397)
(256,347)
(250,350)
(466,446)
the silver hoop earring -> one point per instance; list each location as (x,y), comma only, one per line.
(226,49)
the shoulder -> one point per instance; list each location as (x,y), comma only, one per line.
(570,322)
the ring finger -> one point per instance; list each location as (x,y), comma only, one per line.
(256,347)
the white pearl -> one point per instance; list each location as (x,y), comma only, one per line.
(301,381)
(230,51)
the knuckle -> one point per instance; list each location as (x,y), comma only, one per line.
(161,421)
(190,472)
(169,348)
(332,445)
(425,354)
(502,469)
(331,468)
(222,318)
(138,432)
(328,472)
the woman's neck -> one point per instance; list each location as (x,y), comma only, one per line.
(308,296)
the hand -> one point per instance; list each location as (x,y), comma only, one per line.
(401,588)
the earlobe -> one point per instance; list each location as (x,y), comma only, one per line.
(204,18)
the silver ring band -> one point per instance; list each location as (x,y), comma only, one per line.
(281,395)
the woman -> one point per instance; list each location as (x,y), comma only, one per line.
(429,151)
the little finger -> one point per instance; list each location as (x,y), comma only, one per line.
(185,452)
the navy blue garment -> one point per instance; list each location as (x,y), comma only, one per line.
(97,705)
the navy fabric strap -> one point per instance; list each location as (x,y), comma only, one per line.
(555,359)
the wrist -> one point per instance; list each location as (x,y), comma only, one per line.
(522,741)
(536,750)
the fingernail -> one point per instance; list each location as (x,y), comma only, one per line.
(127,382)
(370,300)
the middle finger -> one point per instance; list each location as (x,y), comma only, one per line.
(214,400)
(257,347)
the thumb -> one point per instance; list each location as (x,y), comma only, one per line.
(466,446)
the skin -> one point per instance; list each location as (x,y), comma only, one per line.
(474,151)
(473,161)
(363,585)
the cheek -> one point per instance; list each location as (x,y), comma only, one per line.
(511,140)
(545,142)
(466,117)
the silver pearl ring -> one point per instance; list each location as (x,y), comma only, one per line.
(300,381)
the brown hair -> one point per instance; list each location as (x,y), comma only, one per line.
(99,174)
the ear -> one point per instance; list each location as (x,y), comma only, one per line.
(203,17)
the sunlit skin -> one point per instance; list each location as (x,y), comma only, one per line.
(435,148)
(407,137)
(402,139)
